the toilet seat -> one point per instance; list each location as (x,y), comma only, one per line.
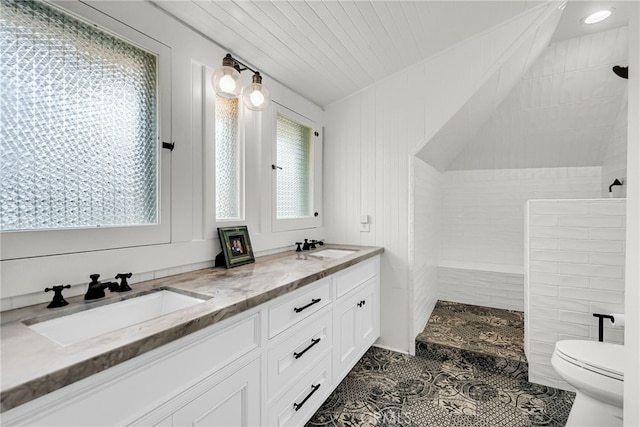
(598,357)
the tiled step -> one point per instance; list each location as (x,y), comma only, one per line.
(484,330)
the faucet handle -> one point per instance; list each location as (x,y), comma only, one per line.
(298,248)
(94,277)
(58,300)
(124,286)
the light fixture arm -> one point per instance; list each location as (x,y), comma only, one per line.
(227,81)
(230,61)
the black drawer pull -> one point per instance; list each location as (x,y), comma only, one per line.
(361,303)
(313,301)
(297,406)
(313,342)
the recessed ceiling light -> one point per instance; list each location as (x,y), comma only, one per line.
(598,16)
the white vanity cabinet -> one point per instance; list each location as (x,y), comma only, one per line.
(150,388)
(273,365)
(356,315)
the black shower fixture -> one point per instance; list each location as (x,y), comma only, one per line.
(616,182)
(621,71)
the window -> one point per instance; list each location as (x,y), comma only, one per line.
(78,127)
(297,172)
(228,160)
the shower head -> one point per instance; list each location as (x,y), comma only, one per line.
(621,71)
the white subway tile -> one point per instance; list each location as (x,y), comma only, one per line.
(595,221)
(540,243)
(546,220)
(607,259)
(564,207)
(607,207)
(543,266)
(542,335)
(591,270)
(607,283)
(559,232)
(548,290)
(559,279)
(543,312)
(560,256)
(591,245)
(608,234)
(575,317)
(591,295)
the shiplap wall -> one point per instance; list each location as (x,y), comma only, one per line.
(575,268)
(483,210)
(371,136)
(426,199)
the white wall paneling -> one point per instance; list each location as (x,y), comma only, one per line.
(576,267)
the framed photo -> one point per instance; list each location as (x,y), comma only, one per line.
(236,246)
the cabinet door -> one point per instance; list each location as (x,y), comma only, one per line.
(356,327)
(235,401)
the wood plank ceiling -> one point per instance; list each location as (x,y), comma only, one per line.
(326,50)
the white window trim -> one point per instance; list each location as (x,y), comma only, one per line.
(211,221)
(279,225)
(28,244)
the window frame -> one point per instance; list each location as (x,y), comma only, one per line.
(20,244)
(314,221)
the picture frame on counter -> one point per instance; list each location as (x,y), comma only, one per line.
(236,246)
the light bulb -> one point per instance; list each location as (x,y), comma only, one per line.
(257,98)
(227,84)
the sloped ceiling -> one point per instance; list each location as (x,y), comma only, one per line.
(327,50)
(560,114)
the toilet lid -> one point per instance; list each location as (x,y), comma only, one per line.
(600,357)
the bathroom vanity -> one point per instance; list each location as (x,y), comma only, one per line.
(268,344)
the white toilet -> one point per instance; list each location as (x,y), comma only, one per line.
(595,370)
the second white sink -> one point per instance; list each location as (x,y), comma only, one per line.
(77,327)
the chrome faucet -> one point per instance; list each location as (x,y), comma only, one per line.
(96,289)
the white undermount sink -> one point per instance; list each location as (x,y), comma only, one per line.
(80,326)
(333,253)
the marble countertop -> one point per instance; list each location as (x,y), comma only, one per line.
(32,365)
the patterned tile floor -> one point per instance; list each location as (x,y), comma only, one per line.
(442,386)
(486,330)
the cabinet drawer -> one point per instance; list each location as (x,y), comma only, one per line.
(304,398)
(298,307)
(293,354)
(355,276)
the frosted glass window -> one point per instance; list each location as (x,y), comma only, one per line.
(78,125)
(294,157)
(227,159)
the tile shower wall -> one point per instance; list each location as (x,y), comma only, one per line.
(614,165)
(575,267)
(427,219)
(483,210)
(482,241)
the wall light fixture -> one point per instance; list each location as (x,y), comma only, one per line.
(227,83)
